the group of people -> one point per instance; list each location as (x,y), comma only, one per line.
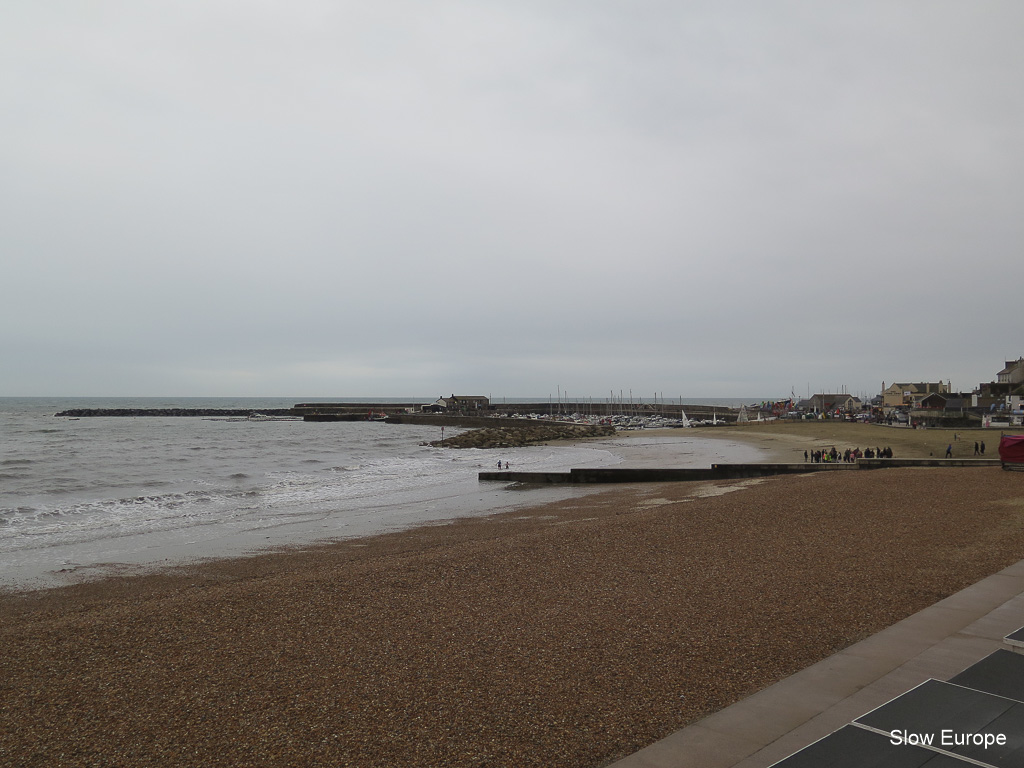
(979,449)
(848,456)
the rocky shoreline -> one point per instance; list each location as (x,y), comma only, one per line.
(519,436)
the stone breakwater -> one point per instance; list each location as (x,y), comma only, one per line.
(518,436)
(80,412)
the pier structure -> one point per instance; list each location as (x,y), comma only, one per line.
(555,410)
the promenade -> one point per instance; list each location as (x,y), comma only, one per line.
(935,643)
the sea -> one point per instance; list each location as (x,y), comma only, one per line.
(85,497)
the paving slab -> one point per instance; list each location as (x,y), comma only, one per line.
(768,726)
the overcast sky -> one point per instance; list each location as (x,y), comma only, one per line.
(508,197)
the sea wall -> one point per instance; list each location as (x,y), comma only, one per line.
(513,410)
(85,412)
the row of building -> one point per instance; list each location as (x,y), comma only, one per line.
(929,402)
(923,402)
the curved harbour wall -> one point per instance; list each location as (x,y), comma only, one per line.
(80,412)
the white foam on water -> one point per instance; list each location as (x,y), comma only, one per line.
(277,495)
(159,490)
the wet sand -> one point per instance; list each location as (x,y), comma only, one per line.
(787,441)
(564,635)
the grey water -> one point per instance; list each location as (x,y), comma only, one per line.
(82,493)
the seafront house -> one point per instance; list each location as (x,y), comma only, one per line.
(832,403)
(1006,392)
(459,404)
(948,404)
(1012,373)
(1009,382)
(904,394)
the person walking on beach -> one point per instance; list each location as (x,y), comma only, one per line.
(949,451)
(975,447)
(982,447)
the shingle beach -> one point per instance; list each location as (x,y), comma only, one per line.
(565,635)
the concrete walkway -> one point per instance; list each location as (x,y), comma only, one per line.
(937,642)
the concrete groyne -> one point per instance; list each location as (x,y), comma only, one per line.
(716,471)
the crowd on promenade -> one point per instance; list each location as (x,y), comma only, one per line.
(848,456)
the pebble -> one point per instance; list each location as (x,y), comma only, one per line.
(497,641)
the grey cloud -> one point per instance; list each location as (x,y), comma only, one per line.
(710,198)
